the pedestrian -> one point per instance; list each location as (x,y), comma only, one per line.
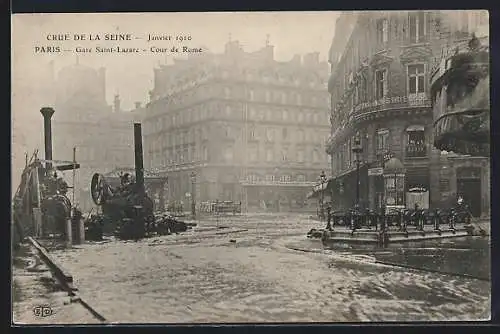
(329,217)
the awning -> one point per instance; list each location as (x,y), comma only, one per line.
(415,128)
(319,188)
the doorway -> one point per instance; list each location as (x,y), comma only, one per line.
(470,190)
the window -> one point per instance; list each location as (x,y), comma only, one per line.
(268,96)
(269,155)
(283,98)
(416,79)
(269,178)
(253,154)
(253,113)
(395,187)
(416,141)
(253,178)
(300,156)
(269,115)
(270,134)
(300,136)
(300,117)
(285,115)
(253,135)
(417,27)
(284,154)
(252,95)
(285,133)
(285,178)
(228,111)
(301,178)
(228,154)
(380,84)
(382,140)
(382,31)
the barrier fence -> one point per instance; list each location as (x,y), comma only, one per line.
(223,207)
(399,219)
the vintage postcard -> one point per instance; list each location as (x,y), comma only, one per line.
(250,167)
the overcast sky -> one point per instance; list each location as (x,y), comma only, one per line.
(131,75)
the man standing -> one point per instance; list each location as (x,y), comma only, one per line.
(329,217)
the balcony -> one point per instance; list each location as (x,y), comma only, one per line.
(416,151)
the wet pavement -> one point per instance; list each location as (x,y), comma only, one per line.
(33,287)
(264,269)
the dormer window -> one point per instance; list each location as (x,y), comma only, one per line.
(382,31)
(417,27)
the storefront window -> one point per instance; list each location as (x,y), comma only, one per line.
(394,189)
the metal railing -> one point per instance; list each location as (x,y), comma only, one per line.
(399,220)
(415,151)
(220,207)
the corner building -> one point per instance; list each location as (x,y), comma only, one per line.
(250,128)
(380,94)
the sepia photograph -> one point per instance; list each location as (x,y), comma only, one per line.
(250,167)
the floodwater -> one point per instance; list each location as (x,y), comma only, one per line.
(264,269)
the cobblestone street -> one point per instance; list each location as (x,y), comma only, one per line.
(248,273)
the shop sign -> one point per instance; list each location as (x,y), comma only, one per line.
(413,100)
(375,171)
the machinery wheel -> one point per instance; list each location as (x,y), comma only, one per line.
(97,189)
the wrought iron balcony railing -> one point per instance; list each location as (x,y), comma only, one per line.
(416,151)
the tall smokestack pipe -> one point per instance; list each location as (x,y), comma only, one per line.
(47,129)
(139,164)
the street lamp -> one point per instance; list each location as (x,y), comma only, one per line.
(322,179)
(357,150)
(193,190)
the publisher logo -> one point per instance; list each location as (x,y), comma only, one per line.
(42,311)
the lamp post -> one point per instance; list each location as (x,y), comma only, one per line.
(193,190)
(322,179)
(357,150)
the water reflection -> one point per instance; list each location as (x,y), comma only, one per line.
(468,256)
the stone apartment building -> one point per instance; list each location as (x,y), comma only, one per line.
(102,134)
(239,126)
(380,102)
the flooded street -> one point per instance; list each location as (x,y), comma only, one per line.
(264,269)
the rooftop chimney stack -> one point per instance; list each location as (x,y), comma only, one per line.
(139,160)
(116,103)
(47,113)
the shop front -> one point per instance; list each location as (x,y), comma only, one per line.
(417,187)
(344,191)
(469,188)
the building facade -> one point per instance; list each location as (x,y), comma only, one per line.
(102,134)
(380,96)
(239,126)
